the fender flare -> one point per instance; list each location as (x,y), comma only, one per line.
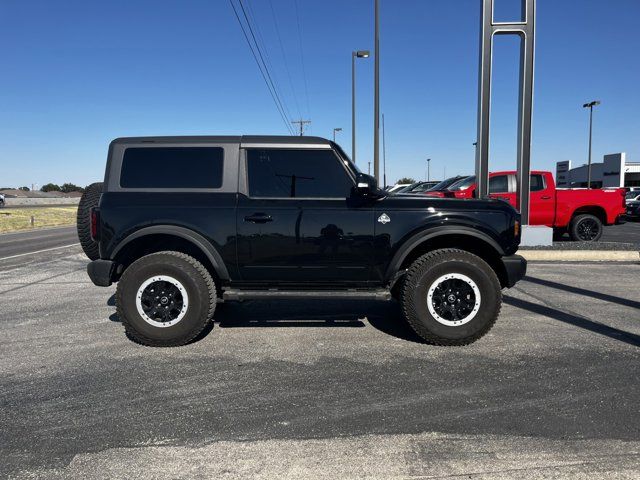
(195,238)
(430,233)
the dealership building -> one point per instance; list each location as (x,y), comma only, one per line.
(614,171)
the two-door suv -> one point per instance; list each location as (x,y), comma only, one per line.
(184,223)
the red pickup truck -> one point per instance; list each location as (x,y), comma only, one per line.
(579,211)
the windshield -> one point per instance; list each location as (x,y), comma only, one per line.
(347,161)
(464,183)
(632,195)
(444,184)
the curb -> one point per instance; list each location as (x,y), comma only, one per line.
(580,255)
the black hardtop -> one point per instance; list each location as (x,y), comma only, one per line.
(239,139)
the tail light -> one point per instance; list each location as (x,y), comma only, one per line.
(95,223)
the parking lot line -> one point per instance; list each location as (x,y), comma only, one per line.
(39,251)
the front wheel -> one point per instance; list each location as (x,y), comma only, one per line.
(451,297)
(585,228)
(165,299)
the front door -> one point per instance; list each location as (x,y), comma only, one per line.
(297,221)
(503,187)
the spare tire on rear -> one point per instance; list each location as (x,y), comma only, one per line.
(89,199)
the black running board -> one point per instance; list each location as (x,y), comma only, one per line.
(233,294)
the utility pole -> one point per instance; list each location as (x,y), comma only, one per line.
(376,101)
(384,156)
(334,133)
(302,123)
(428,169)
(590,106)
(369,171)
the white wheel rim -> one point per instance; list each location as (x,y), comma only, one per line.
(432,298)
(175,283)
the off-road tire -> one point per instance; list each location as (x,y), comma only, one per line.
(422,274)
(197,282)
(89,199)
(574,227)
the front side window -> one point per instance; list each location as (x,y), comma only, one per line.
(292,173)
(172,167)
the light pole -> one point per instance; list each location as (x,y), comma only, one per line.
(428,169)
(334,133)
(376,93)
(354,55)
(590,106)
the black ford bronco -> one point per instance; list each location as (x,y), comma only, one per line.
(185,223)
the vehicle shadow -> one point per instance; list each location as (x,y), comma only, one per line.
(383,316)
(582,291)
(575,320)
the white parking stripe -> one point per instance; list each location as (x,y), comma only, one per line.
(39,251)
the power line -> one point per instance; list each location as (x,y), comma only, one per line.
(266,75)
(284,58)
(304,73)
(265,50)
(275,90)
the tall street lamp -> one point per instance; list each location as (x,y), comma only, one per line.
(428,169)
(590,106)
(354,55)
(334,133)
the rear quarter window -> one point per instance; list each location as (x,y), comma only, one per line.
(172,167)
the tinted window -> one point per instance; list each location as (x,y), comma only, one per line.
(537,183)
(499,184)
(172,167)
(296,173)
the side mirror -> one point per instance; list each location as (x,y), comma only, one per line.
(366,185)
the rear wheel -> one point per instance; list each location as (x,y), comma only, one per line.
(89,199)
(451,297)
(165,299)
(585,228)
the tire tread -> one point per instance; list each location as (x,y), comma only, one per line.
(409,285)
(133,334)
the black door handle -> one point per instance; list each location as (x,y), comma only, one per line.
(258,218)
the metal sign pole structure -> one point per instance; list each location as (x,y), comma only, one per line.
(526,31)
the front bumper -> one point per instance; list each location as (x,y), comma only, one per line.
(515,267)
(101,272)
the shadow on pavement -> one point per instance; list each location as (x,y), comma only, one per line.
(581,291)
(383,316)
(611,332)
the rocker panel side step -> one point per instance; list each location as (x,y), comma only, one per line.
(234,294)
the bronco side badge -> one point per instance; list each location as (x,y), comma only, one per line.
(384,218)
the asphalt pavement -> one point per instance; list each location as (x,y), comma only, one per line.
(24,242)
(332,389)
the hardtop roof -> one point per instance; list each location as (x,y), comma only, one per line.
(241,139)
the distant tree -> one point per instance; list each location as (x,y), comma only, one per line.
(70,187)
(25,189)
(406,180)
(50,187)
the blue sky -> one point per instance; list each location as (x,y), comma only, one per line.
(76,74)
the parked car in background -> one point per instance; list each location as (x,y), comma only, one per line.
(418,187)
(581,212)
(633,209)
(439,189)
(1,200)
(397,186)
(632,196)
